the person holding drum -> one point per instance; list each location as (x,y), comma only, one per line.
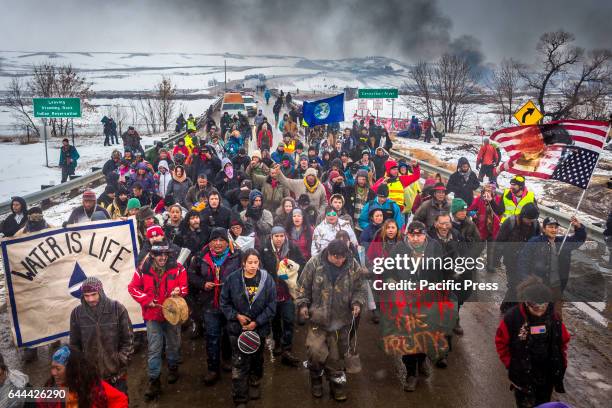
(248,301)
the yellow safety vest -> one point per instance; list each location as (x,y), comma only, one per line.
(189,143)
(396,192)
(191,125)
(510,208)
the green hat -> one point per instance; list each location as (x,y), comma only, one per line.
(457,205)
(133,203)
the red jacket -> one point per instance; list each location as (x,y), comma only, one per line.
(145,281)
(503,338)
(183,149)
(260,136)
(406,179)
(487,155)
(480,206)
(114,399)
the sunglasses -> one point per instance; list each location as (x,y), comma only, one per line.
(332,214)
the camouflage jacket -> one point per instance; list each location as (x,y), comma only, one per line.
(330,305)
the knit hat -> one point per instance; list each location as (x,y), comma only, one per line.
(550,221)
(333,174)
(361,173)
(89,195)
(277,229)
(154,231)
(169,200)
(416,227)
(457,205)
(530,212)
(110,189)
(218,232)
(133,203)
(310,172)
(382,190)
(518,180)
(254,194)
(257,154)
(62,355)
(90,285)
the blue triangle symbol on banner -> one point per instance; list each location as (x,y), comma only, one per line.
(77,277)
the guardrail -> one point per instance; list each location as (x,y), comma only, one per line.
(593,232)
(91,178)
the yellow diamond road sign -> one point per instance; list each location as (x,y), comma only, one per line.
(528,114)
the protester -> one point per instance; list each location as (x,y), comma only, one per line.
(17,219)
(208,275)
(88,210)
(463,182)
(179,185)
(430,209)
(68,159)
(514,198)
(331,294)
(486,160)
(326,231)
(109,349)
(309,185)
(159,278)
(389,208)
(278,249)
(248,301)
(487,221)
(532,342)
(71,370)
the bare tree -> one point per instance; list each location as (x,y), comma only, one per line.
(504,84)
(119,115)
(19,103)
(166,102)
(147,110)
(556,56)
(454,85)
(421,75)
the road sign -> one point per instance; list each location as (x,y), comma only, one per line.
(378,104)
(378,93)
(528,114)
(57,107)
(362,104)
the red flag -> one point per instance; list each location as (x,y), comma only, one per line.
(564,150)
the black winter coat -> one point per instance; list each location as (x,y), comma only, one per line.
(234,300)
(202,270)
(10,226)
(209,167)
(463,189)
(214,218)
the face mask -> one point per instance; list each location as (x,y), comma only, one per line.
(229,171)
(286,163)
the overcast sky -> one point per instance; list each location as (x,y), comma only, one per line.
(404,29)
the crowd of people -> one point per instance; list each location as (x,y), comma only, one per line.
(325,201)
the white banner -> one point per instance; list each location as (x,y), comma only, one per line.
(44,272)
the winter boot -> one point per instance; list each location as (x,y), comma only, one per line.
(458,330)
(442,363)
(411,383)
(336,390)
(173,374)
(211,378)
(316,384)
(278,350)
(153,389)
(425,368)
(289,359)
(195,330)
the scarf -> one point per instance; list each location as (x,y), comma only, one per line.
(274,182)
(311,189)
(177,178)
(218,260)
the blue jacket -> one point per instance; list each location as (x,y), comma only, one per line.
(74,156)
(234,300)
(367,235)
(267,94)
(390,210)
(534,258)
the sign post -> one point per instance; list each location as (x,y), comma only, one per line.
(53,108)
(378,95)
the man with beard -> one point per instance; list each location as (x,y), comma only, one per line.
(202,184)
(514,232)
(109,349)
(257,219)
(86,212)
(463,182)
(207,274)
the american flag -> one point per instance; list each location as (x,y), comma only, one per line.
(564,150)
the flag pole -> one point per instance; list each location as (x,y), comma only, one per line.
(587,186)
